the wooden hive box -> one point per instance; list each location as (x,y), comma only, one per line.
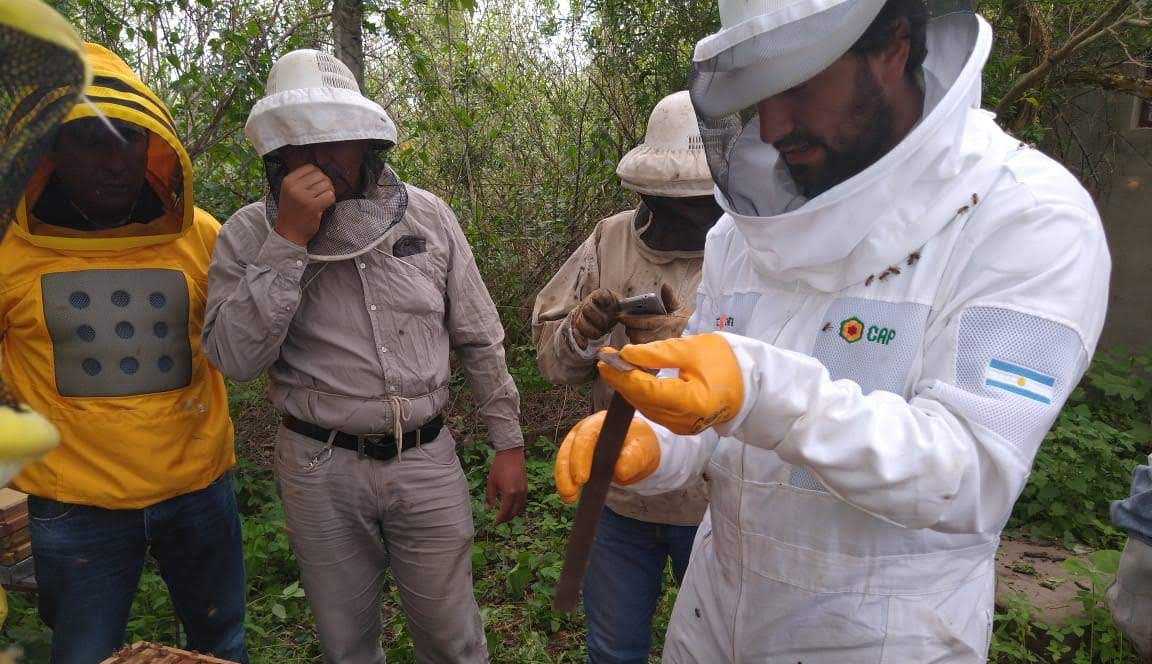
(14,540)
(13,512)
(14,543)
(14,555)
(154,653)
(19,577)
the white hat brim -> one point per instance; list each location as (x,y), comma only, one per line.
(757,59)
(665,172)
(305,116)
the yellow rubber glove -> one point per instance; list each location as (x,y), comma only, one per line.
(24,435)
(708,391)
(639,457)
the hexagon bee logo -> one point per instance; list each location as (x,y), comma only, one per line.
(852,330)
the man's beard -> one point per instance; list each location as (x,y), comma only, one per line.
(871,120)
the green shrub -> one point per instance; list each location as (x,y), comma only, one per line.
(1087,459)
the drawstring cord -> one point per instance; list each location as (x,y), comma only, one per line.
(401,410)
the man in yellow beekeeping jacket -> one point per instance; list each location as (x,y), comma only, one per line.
(102,284)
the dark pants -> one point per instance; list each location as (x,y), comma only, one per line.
(88,563)
(624,581)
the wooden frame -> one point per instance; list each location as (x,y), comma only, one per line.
(143,652)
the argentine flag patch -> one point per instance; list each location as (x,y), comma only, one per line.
(1021,381)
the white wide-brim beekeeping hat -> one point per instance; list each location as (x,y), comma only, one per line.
(765,47)
(311,97)
(671,160)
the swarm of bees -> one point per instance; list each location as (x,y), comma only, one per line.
(914,257)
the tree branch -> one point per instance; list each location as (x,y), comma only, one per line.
(1037,75)
(1138,87)
(204,140)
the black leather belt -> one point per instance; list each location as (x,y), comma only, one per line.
(381,448)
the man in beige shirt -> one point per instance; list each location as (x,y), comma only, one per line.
(657,248)
(350,287)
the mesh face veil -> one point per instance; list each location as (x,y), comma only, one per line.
(765,48)
(312,98)
(42,74)
(354,226)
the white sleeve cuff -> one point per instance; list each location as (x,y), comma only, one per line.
(682,461)
(779,385)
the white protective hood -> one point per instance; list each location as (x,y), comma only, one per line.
(881,215)
(671,160)
(311,97)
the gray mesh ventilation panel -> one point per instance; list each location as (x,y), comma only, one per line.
(118,332)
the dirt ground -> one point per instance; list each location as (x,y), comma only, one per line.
(1035,570)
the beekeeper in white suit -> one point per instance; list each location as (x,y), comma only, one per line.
(904,295)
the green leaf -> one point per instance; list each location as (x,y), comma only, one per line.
(1106,562)
(292,590)
(1076,566)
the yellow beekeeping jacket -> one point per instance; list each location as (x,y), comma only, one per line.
(100,329)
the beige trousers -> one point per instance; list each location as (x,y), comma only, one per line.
(349,518)
(1130,596)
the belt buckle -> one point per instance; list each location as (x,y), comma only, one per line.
(363,440)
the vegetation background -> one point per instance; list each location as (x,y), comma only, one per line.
(516,113)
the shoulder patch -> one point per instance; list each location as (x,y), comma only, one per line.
(1018,380)
(1013,372)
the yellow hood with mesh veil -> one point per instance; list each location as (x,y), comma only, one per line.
(116,92)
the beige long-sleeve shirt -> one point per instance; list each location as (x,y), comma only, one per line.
(614,257)
(360,345)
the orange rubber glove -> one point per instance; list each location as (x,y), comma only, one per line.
(708,391)
(639,457)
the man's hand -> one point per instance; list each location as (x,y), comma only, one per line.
(709,389)
(507,480)
(645,329)
(595,316)
(639,457)
(305,194)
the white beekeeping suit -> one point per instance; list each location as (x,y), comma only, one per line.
(904,339)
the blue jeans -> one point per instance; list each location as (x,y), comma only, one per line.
(623,584)
(88,563)
(1135,513)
